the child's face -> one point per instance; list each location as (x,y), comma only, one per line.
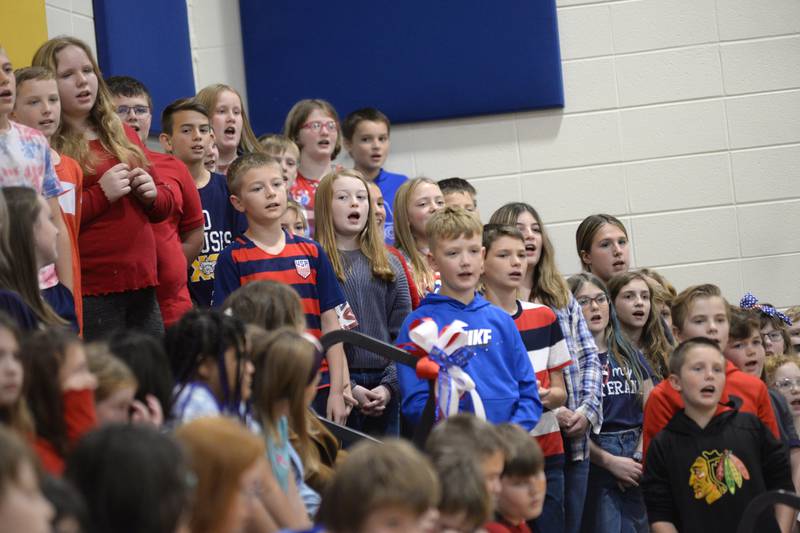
(227,121)
(77,81)
(701,379)
(633,304)
(747,354)
(392,519)
(135,112)
(262,194)
(11,372)
(594,303)
(291,223)
(609,253)
(461,199)
(116,408)
(349,206)
(787,381)
(504,265)
(369,145)
(212,154)
(288,161)
(317,137)
(773,340)
(45,233)
(522,497)
(460,263)
(707,317)
(190,138)
(492,468)
(378,207)
(38,106)
(8,85)
(74,374)
(22,505)
(532,233)
(424,201)
(794,331)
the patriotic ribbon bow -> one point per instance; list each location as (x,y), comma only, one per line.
(749,301)
(449,351)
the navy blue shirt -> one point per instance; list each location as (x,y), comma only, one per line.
(622,394)
(221,224)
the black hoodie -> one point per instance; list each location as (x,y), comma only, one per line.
(702,479)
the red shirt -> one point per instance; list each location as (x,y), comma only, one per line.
(665,401)
(303,191)
(412,287)
(501,526)
(187,214)
(118,250)
(79,414)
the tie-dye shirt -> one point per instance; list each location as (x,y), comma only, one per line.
(25,161)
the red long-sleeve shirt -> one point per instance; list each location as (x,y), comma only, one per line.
(79,414)
(117,247)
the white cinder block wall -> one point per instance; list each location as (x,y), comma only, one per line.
(682,117)
(71,17)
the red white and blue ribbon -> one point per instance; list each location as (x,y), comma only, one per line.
(448,350)
(749,301)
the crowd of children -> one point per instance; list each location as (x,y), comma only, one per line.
(161,314)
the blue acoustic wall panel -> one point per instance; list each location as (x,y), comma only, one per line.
(148,40)
(414,59)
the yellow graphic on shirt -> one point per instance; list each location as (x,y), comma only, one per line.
(203,267)
(714,474)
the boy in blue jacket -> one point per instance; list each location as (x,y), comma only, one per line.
(502,373)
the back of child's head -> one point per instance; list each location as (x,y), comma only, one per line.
(493,232)
(298,116)
(206,334)
(464,432)
(464,497)
(375,477)
(370,239)
(682,303)
(70,509)
(26,74)
(286,365)
(44,353)
(523,455)
(129,87)
(678,357)
(132,477)
(209,95)
(451,223)
(244,164)
(112,373)
(268,304)
(219,450)
(276,145)
(660,279)
(354,118)
(181,104)
(145,356)
(23,210)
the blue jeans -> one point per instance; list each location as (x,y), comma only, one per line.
(388,424)
(610,509)
(552,517)
(576,475)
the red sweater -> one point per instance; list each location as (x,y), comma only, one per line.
(665,401)
(80,417)
(412,287)
(117,247)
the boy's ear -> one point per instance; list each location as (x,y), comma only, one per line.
(675,381)
(432,261)
(237,203)
(166,142)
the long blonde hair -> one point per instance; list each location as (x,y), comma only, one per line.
(209,95)
(370,242)
(548,286)
(404,239)
(111,134)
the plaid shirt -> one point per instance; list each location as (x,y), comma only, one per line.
(583,378)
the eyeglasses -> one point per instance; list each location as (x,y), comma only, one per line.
(137,109)
(586,301)
(773,336)
(788,383)
(317,125)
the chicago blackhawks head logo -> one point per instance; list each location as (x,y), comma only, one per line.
(714,474)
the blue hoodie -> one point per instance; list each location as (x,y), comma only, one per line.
(501,370)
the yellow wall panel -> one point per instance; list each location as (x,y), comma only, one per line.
(23,28)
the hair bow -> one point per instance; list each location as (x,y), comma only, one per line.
(445,353)
(749,301)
